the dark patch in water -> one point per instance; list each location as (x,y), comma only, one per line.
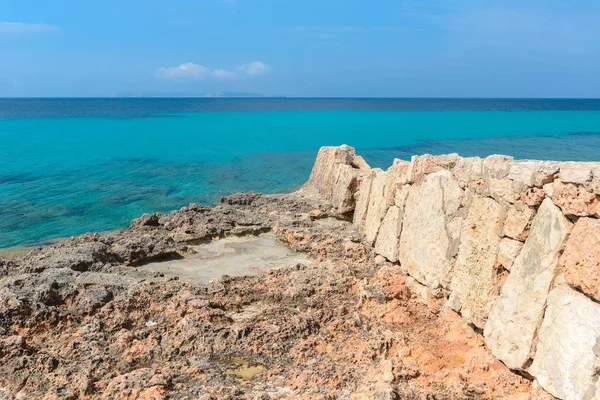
(12,179)
(592,133)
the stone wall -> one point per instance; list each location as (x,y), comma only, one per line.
(513,246)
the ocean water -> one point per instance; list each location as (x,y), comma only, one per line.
(69,166)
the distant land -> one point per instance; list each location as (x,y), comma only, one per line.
(195,95)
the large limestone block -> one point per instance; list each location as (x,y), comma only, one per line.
(533,173)
(427,245)
(389,234)
(467,169)
(517,221)
(475,280)
(567,358)
(325,169)
(581,258)
(497,166)
(517,314)
(575,172)
(396,177)
(377,207)
(502,190)
(345,188)
(362,202)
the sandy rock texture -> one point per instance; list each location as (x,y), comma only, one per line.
(431,280)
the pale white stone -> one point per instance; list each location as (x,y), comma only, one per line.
(502,190)
(515,317)
(389,234)
(474,282)
(377,207)
(508,250)
(575,172)
(396,176)
(345,187)
(567,357)
(533,173)
(549,189)
(497,166)
(427,249)
(362,202)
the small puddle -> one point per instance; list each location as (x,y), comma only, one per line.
(241,367)
(233,256)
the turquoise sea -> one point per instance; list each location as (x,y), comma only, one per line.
(68,166)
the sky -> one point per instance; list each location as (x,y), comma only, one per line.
(321,48)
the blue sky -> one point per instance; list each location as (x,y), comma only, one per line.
(389,48)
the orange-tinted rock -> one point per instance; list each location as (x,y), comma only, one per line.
(574,200)
(581,258)
(533,196)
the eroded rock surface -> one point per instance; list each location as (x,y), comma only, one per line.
(516,316)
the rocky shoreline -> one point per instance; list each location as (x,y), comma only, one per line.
(81,319)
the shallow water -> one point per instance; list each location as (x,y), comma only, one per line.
(72,166)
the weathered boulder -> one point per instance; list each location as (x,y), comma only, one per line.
(467,169)
(581,258)
(324,172)
(573,199)
(508,250)
(427,244)
(533,173)
(389,234)
(377,207)
(575,172)
(515,317)
(396,177)
(517,221)
(362,201)
(502,190)
(567,358)
(475,279)
(345,187)
(336,175)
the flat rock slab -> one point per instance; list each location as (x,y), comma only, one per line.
(233,256)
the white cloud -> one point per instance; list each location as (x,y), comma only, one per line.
(254,68)
(196,71)
(20,28)
(187,70)
(224,74)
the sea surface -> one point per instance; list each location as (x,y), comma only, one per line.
(69,166)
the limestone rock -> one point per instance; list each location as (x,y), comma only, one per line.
(575,172)
(517,314)
(508,250)
(568,351)
(581,258)
(389,234)
(497,166)
(533,173)
(427,246)
(396,176)
(573,199)
(517,221)
(345,187)
(467,169)
(475,281)
(502,190)
(362,202)
(377,207)
(324,172)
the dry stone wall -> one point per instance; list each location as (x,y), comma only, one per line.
(513,246)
